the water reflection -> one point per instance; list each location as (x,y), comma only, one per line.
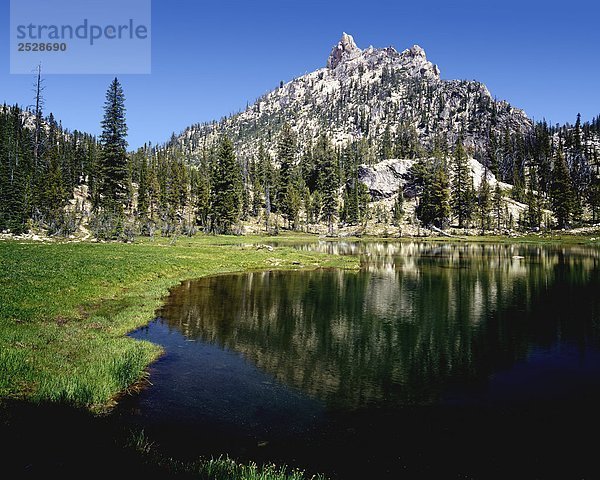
(420,324)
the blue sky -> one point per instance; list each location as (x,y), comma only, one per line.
(209,59)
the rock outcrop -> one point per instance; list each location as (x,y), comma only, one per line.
(344,50)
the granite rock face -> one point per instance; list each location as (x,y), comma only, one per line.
(344,50)
(384,178)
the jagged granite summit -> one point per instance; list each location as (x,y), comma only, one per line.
(347,55)
(344,50)
(359,95)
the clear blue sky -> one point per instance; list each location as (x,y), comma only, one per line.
(210,58)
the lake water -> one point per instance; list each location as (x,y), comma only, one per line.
(446,360)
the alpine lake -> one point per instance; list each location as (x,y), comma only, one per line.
(434,360)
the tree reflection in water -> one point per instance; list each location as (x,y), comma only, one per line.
(419,319)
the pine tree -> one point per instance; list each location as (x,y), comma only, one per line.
(562,191)
(462,191)
(398,209)
(534,208)
(364,197)
(434,205)
(484,202)
(286,153)
(16,159)
(143,198)
(39,104)
(349,213)
(387,145)
(113,153)
(293,201)
(493,154)
(52,192)
(497,201)
(202,188)
(310,172)
(257,189)
(328,180)
(593,194)
(153,188)
(227,189)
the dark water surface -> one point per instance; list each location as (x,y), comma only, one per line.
(450,360)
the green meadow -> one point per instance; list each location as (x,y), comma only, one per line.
(65,308)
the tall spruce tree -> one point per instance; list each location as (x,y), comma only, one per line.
(286,154)
(398,209)
(201,187)
(328,180)
(594,196)
(484,202)
(113,153)
(434,205)
(534,207)
(226,189)
(16,159)
(497,202)
(462,192)
(562,191)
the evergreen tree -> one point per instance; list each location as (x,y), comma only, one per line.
(227,189)
(310,172)
(398,209)
(113,153)
(518,182)
(356,201)
(484,202)
(286,153)
(202,187)
(257,189)
(364,197)
(143,198)
(39,103)
(593,194)
(493,154)
(349,213)
(434,205)
(387,145)
(462,186)
(293,202)
(16,147)
(562,192)
(534,208)
(328,179)
(53,194)
(497,202)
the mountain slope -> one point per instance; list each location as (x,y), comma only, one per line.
(360,94)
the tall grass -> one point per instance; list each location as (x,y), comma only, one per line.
(220,468)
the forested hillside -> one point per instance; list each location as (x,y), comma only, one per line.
(307,156)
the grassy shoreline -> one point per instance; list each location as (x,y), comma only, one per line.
(65,308)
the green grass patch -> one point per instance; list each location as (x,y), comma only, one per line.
(65,308)
(220,468)
(224,468)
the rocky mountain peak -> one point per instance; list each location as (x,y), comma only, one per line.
(369,95)
(416,51)
(345,49)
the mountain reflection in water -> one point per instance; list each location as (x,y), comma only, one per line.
(454,360)
(416,318)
